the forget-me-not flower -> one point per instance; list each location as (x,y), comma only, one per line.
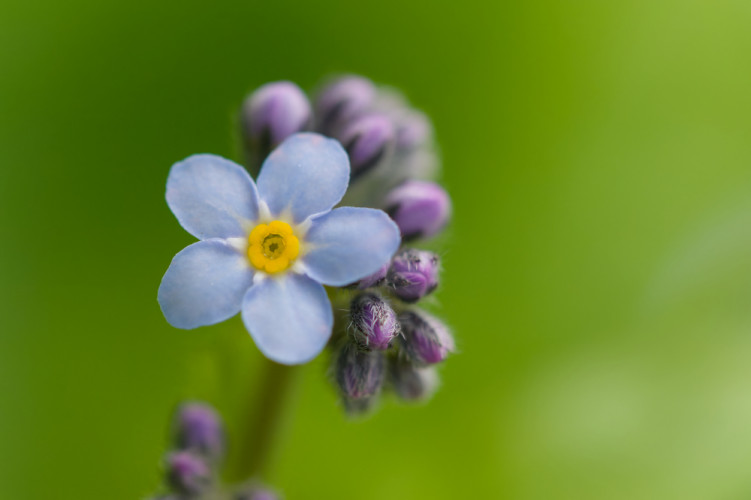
(267,249)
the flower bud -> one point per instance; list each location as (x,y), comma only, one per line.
(410,382)
(359,407)
(271,114)
(413,130)
(367,139)
(198,428)
(413,274)
(375,279)
(187,473)
(374,321)
(425,339)
(359,373)
(420,208)
(342,100)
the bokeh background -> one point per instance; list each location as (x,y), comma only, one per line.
(597,273)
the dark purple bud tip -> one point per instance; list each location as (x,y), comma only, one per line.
(342,100)
(374,321)
(413,274)
(410,382)
(420,208)
(368,140)
(198,428)
(359,373)
(425,340)
(375,279)
(187,473)
(274,112)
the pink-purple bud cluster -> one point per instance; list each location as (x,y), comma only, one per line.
(192,465)
(384,342)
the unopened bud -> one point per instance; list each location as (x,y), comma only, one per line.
(374,321)
(342,100)
(425,339)
(375,279)
(410,382)
(359,373)
(413,274)
(368,139)
(271,114)
(199,429)
(359,407)
(420,208)
(187,473)
(413,129)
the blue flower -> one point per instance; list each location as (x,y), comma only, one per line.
(267,249)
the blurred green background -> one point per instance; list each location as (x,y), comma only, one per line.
(597,277)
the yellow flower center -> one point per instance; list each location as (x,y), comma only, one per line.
(273,247)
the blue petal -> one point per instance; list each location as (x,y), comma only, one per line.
(289,317)
(205,284)
(212,197)
(348,244)
(307,174)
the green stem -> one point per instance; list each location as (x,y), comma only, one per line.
(265,418)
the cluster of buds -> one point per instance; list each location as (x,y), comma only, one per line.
(192,465)
(385,341)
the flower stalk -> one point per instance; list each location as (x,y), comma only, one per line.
(266,417)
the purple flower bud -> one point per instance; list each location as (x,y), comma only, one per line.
(410,382)
(187,473)
(271,114)
(420,208)
(359,373)
(342,100)
(413,274)
(199,429)
(358,407)
(367,139)
(375,279)
(375,323)
(425,340)
(413,130)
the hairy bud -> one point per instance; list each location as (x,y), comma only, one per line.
(198,428)
(271,114)
(413,130)
(420,208)
(368,139)
(187,473)
(374,321)
(375,279)
(359,373)
(342,100)
(413,274)
(425,339)
(410,382)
